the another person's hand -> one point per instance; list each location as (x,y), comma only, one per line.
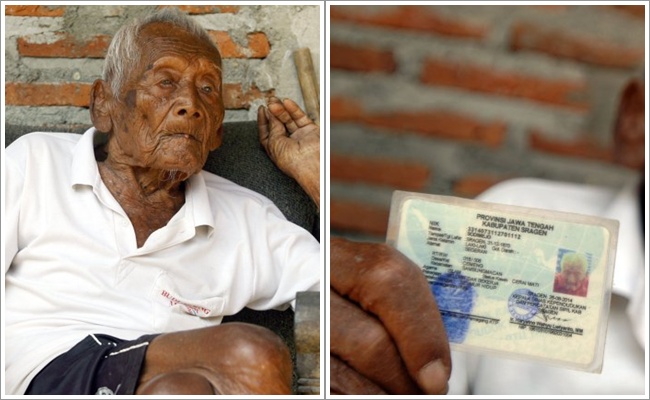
(386,333)
(292,141)
(629,127)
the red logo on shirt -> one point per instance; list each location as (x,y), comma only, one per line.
(188,308)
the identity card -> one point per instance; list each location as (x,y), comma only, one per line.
(521,282)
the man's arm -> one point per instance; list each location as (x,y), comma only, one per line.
(386,331)
(292,141)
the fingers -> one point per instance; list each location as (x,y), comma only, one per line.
(278,110)
(297,114)
(262,124)
(278,128)
(289,113)
(387,284)
(345,380)
(352,329)
(272,132)
(281,119)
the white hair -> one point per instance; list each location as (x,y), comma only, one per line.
(124,52)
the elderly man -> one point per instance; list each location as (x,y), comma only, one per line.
(572,278)
(119,270)
(117,278)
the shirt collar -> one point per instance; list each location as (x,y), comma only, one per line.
(196,195)
(84,165)
(86,172)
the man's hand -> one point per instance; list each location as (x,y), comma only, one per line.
(386,333)
(292,141)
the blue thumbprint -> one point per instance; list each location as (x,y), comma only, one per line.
(455,297)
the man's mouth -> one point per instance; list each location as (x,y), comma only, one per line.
(182,135)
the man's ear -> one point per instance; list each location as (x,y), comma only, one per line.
(100,106)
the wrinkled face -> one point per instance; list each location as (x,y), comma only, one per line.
(171,108)
(574,273)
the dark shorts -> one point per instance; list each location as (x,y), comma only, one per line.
(99,364)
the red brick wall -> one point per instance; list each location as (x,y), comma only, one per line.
(453,99)
(37,52)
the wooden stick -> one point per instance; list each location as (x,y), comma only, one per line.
(308,83)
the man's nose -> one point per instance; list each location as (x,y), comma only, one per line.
(187,105)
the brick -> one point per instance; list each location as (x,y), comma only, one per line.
(358,217)
(258,45)
(207,9)
(413,18)
(361,58)
(635,11)
(35,11)
(440,124)
(567,93)
(550,7)
(345,109)
(430,123)
(64,46)
(526,36)
(379,171)
(235,98)
(67,46)
(47,94)
(579,148)
(471,186)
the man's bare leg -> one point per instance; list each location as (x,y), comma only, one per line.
(233,358)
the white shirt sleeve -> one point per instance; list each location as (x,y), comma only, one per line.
(294,259)
(14,180)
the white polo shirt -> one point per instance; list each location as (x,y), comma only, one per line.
(72,266)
